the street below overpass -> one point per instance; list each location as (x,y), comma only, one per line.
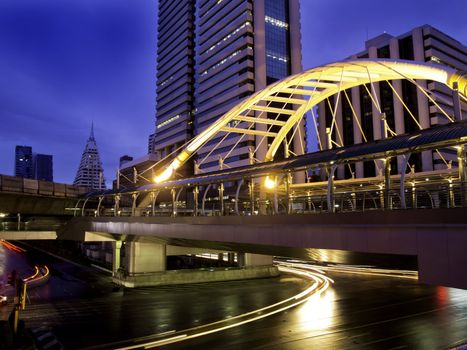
(359,311)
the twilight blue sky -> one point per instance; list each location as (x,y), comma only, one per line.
(66,63)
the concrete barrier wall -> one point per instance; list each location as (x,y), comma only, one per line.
(30,186)
(196,276)
(59,190)
(12,183)
(39,187)
(46,188)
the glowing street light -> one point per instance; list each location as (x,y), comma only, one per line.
(269,183)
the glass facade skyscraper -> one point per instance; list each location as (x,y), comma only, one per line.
(277,40)
(175,76)
(23,162)
(224,52)
(43,167)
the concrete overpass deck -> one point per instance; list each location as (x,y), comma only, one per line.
(437,237)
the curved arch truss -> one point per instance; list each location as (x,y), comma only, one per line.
(298,94)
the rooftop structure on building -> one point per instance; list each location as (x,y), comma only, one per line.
(406,106)
(90,173)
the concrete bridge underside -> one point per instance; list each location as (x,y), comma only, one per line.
(436,237)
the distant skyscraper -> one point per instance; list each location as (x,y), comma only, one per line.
(23,162)
(43,167)
(241,46)
(33,165)
(90,173)
(423,44)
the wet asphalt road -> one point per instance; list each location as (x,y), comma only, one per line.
(358,312)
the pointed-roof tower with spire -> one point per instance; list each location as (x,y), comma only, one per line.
(90,173)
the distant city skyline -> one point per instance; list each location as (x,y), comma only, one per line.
(31,165)
(67,63)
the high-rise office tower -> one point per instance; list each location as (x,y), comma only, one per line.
(33,165)
(24,166)
(43,167)
(175,76)
(90,173)
(424,44)
(240,47)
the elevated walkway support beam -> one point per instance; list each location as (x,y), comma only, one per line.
(144,257)
(248,259)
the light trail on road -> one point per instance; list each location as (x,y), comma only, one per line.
(11,246)
(361,270)
(320,283)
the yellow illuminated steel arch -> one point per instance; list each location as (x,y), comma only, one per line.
(306,90)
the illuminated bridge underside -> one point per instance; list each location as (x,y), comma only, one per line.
(304,91)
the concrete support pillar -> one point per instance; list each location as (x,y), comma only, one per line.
(116,248)
(145,257)
(248,259)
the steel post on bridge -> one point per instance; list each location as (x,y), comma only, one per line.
(462,173)
(330,194)
(387,184)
